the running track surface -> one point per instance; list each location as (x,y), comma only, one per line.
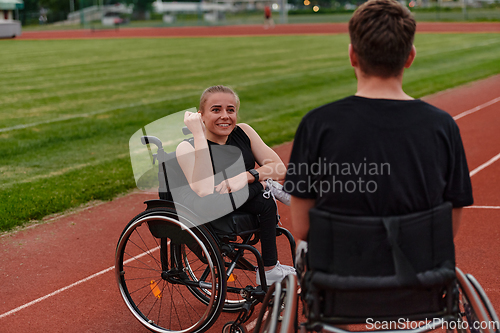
(245,30)
(58,276)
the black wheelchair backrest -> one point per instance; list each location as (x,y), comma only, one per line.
(382,246)
(380,267)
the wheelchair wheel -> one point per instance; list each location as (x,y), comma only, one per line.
(238,329)
(475,315)
(279,309)
(486,301)
(152,275)
(242,276)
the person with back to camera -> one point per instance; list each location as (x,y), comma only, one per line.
(379,152)
(216,124)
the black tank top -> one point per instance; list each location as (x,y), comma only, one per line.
(237,138)
(221,165)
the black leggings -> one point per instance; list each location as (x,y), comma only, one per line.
(266,210)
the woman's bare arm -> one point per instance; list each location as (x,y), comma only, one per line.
(271,165)
(196,162)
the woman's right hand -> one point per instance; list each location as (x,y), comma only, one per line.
(194,123)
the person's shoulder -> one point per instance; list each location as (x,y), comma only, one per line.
(330,109)
(244,127)
(426,106)
(433,111)
(245,130)
(185,146)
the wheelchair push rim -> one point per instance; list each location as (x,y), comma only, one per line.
(474,307)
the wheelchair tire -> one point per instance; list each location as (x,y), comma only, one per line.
(486,301)
(152,277)
(474,313)
(280,304)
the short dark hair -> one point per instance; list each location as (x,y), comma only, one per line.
(382,33)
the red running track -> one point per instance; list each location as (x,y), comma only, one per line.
(245,30)
(43,259)
(58,276)
(477,244)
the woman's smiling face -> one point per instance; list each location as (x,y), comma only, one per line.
(219,115)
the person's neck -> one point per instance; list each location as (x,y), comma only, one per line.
(381,88)
(221,140)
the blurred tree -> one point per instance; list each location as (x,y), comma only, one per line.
(142,5)
(57,6)
(31,5)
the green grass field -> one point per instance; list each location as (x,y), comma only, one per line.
(68,108)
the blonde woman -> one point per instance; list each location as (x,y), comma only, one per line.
(215,124)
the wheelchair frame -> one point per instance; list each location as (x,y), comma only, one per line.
(462,303)
(166,263)
(279,312)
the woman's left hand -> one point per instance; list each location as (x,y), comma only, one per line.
(233,184)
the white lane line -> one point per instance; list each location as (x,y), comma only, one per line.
(472,173)
(484,207)
(484,165)
(477,108)
(38,300)
(54,293)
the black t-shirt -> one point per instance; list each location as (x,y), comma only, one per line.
(378,157)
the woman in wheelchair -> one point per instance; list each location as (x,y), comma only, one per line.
(215,124)
(175,271)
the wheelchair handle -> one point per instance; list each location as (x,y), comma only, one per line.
(151,139)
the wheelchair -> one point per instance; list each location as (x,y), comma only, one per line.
(393,274)
(176,274)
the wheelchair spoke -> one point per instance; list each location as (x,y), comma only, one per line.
(146,296)
(142,268)
(161,303)
(137,259)
(141,288)
(142,278)
(171,302)
(175,309)
(186,304)
(152,306)
(148,251)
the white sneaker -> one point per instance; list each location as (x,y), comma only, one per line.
(276,190)
(276,274)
